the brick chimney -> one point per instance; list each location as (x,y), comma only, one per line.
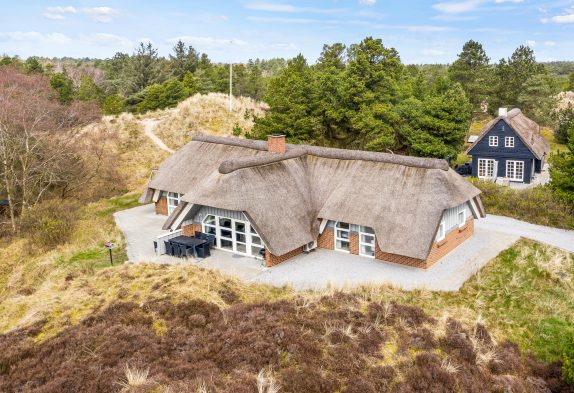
(502,111)
(276,143)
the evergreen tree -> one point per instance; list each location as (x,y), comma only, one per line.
(511,75)
(63,85)
(184,60)
(33,65)
(565,120)
(290,97)
(88,90)
(144,67)
(472,71)
(538,98)
(562,172)
(113,105)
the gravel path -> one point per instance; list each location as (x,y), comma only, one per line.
(553,236)
(149,125)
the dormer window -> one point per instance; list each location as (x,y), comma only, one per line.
(492,141)
(509,141)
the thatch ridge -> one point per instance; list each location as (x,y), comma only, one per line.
(295,151)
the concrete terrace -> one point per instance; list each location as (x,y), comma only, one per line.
(323,268)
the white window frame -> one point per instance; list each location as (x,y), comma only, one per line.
(461,214)
(493,141)
(514,164)
(441,232)
(342,239)
(364,233)
(486,174)
(508,141)
(173,200)
(249,233)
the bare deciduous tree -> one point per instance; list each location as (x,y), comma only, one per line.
(39,140)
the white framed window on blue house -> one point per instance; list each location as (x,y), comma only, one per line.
(493,141)
(515,170)
(173,200)
(509,141)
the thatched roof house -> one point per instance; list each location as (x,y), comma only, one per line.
(509,146)
(295,197)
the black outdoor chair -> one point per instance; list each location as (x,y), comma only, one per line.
(198,235)
(210,240)
(188,252)
(183,251)
(206,249)
(168,248)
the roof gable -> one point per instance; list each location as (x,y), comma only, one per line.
(524,128)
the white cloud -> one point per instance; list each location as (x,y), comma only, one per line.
(282,20)
(509,1)
(34,37)
(288,8)
(367,2)
(456,7)
(106,39)
(549,43)
(209,42)
(49,15)
(531,43)
(566,17)
(99,14)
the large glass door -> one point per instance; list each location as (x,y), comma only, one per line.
(232,235)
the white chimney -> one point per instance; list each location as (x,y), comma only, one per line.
(502,111)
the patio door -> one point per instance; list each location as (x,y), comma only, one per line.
(515,170)
(233,235)
(486,168)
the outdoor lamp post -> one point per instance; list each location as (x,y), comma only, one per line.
(109,246)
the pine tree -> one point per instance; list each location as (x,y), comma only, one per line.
(471,69)
(562,172)
(88,90)
(184,60)
(63,85)
(144,67)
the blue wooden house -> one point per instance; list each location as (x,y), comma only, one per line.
(509,147)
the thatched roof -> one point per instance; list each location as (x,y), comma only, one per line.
(526,129)
(285,195)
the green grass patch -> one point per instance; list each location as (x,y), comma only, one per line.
(107,207)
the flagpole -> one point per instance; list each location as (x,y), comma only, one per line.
(230,87)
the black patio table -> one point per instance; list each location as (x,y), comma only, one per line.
(188,242)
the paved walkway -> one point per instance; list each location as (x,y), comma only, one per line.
(322,268)
(149,125)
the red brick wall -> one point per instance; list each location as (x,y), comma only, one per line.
(189,230)
(276,144)
(161,206)
(354,243)
(395,258)
(326,239)
(272,260)
(452,240)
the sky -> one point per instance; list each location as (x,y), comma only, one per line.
(426,31)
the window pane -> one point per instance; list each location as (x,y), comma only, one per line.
(343,245)
(367,230)
(209,230)
(342,225)
(240,226)
(210,219)
(226,233)
(241,247)
(256,240)
(342,234)
(253,230)
(370,239)
(226,244)
(255,251)
(240,237)
(225,222)
(368,250)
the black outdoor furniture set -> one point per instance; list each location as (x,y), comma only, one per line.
(186,246)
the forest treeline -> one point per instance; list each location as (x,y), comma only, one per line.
(145,81)
(364,97)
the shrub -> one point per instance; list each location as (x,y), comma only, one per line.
(568,368)
(49,223)
(537,205)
